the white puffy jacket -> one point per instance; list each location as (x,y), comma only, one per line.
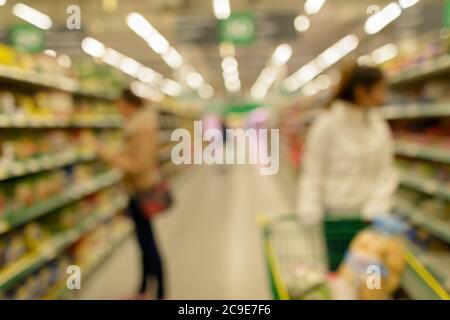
(347,166)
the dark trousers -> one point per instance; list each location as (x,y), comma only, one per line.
(151,260)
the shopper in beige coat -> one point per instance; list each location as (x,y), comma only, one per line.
(139,163)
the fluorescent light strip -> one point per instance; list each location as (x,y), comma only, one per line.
(269,74)
(32,16)
(323,61)
(131,67)
(145,30)
(313,6)
(407,3)
(380,20)
(161,46)
(222,9)
(230,69)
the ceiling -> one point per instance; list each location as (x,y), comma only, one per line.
(336,19)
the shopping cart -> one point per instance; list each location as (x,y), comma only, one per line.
(288,245)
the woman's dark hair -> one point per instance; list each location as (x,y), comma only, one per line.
(356,76)
(129,96)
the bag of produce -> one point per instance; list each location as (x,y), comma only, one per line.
(375,260)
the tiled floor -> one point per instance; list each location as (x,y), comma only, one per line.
(210,240)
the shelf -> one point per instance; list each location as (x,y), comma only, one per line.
(38,79)
(416,111)
(423,71)
(95,95)
(418,280)
(50,249)
(423,152)
(41,80)
(8,122)
(90,270)
(424,185)
(436,226)
(41,164)
(11,220)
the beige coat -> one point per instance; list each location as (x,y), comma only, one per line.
(138,158)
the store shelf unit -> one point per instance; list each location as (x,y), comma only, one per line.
(27,123)
(90,271)
(44,163)
(418,282)
(51,248)
(420,110)
(423,152)
(423,71)
(41,80)
(434,225)
(422,278)
(11,220)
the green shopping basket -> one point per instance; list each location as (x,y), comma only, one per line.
(287,245)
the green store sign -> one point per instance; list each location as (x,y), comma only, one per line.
(447,13)
(26,38)
(239,28)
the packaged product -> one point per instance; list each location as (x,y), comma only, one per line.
(308,284)
(24,192)
(34,235)
(14,247)
(374,262)
(7,103)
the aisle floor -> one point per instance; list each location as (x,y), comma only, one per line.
(210,240)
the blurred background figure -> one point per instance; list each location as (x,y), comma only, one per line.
(348,164)
(139,163)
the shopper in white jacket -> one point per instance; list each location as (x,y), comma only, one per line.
(348,160)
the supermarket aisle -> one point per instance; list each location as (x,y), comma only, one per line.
(210,239)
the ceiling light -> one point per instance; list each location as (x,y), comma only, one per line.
(258,92)
(64,61)
(229,65)
(32,16)
(336,52)
(50,53)
(365,60)
(146,92)
(282,55)
(194,80)
(407,3)
(310,89)
(222,9)
(323,82)
(171,87)
(206,92)
(93,47)
(234,76)
(233,86)
(301,23)
(173,58)
(147,75)
(313,6)
(130,66)
(226,49)
(323,61)
(3,2)
(145,30)
(112,57)
(380,20)
(385,53)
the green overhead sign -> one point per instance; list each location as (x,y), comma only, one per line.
(239,28)
(447,13)
(26,38)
